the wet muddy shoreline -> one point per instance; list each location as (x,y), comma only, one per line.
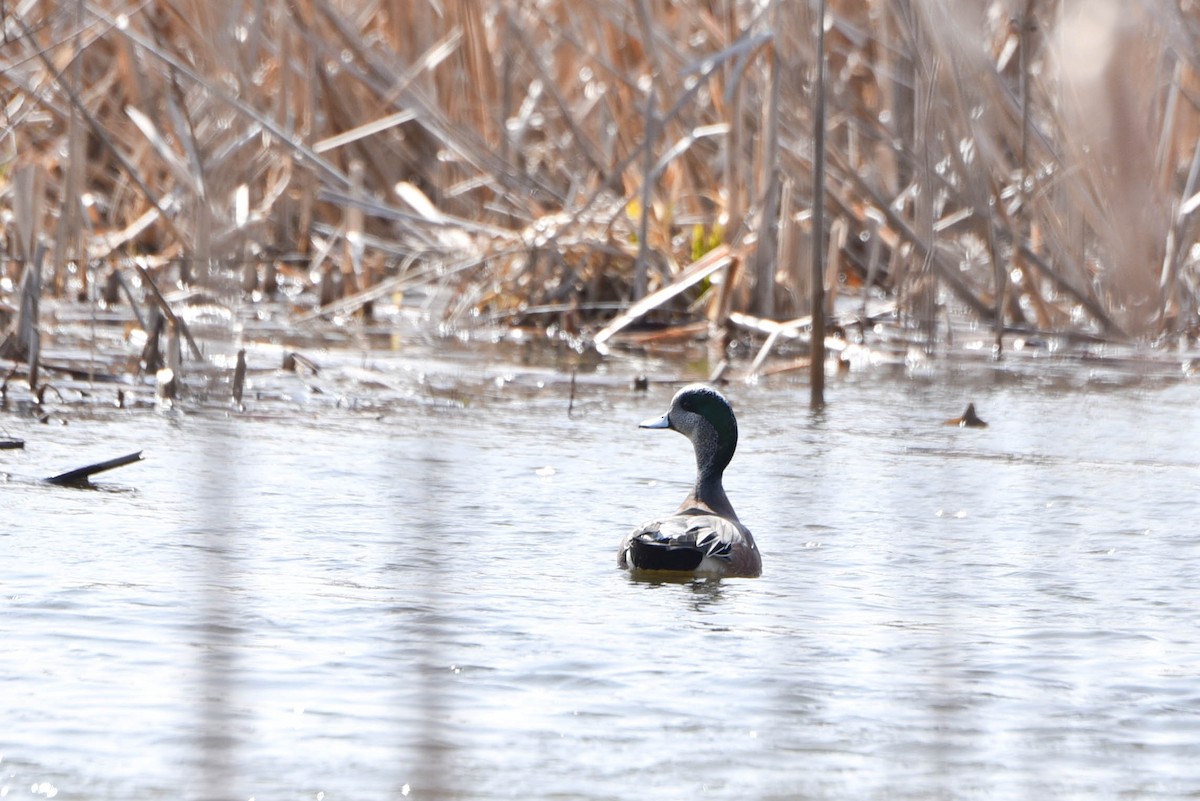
(96,361)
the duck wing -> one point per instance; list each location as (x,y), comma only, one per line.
(681,542)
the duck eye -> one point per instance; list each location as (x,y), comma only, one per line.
(687,405)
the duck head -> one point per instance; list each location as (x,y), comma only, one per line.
(702,415)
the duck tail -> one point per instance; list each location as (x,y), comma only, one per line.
(655,555)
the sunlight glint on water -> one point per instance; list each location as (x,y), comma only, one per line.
(426,601)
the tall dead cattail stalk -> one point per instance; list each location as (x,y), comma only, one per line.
(817,363)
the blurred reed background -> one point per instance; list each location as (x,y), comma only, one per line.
(1028,166)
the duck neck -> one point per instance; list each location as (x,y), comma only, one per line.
(713,454)
(710,493)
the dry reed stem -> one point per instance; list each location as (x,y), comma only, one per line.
(580,156)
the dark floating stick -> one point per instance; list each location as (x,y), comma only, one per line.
(80,477)
(11,444)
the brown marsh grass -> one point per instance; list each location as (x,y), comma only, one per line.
(586,168)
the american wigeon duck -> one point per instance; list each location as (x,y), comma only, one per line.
(704,537)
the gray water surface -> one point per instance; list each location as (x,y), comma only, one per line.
(421,600)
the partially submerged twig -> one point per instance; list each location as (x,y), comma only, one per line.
(81,476)
(178,324)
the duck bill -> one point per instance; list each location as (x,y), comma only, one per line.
(655,422)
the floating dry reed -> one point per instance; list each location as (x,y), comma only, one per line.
(575,166)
